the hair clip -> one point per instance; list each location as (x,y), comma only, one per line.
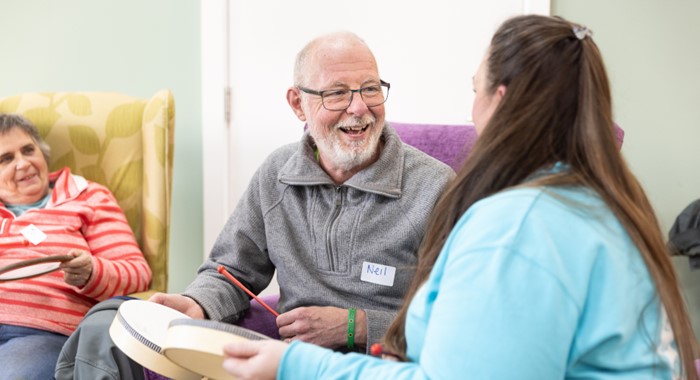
(582,32)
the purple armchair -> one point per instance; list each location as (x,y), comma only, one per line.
(257,318)
(450,144)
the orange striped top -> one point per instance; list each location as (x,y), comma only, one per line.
(80,215)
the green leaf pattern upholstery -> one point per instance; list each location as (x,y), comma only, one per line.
(122,142)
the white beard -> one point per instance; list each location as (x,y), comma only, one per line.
(359,152)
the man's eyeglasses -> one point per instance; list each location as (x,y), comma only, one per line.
(340,100)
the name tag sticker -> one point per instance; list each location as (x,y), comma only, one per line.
(33,234)
(378,274)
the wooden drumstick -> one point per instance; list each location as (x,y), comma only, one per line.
(228,275)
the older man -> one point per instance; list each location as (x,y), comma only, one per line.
(339,215)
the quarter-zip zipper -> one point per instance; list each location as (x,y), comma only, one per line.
(331,227)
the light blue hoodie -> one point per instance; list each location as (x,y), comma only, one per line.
(532,283)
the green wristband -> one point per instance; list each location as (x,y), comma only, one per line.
(351,328)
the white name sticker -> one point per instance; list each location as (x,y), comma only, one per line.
(33,234)
(378,274)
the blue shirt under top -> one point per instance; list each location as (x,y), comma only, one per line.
(21,209)
(532,283)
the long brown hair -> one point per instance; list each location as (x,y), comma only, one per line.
(557,107)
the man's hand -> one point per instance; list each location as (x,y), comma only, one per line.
(324,326)
(185,305)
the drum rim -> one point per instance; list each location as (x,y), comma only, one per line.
(222,326)
(30,262)
(143,350)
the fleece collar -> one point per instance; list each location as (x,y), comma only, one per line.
(66,186)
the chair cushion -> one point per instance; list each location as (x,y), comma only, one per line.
(257,318)
(448,143)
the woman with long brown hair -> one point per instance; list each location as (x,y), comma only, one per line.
(543,258)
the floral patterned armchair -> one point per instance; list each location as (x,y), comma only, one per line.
(120,141)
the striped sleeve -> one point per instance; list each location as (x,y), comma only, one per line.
(119,266)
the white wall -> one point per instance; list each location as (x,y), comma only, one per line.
(651,50)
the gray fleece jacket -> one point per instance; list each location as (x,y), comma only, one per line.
(317,235)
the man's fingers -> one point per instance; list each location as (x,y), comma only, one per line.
(157,298)
(180,303)
(289,317)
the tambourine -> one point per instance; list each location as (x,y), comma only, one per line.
(32,267)
(198,345)
(173,344)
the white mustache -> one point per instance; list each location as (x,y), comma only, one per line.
(355,122)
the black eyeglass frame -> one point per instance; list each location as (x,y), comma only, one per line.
(352,94)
